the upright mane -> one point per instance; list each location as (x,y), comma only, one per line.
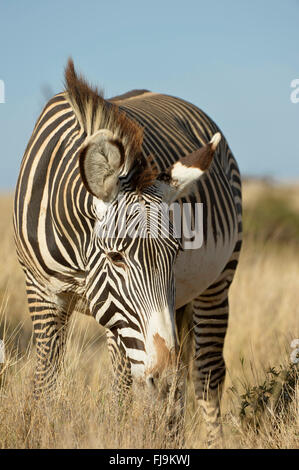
(94,112)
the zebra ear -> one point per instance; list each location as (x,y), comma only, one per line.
(100,160)
(180,177)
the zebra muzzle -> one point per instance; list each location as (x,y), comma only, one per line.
(162,365)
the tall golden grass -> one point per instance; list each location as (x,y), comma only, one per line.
(264,319)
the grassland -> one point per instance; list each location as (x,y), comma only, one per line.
(264,319)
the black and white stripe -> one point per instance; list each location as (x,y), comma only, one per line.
(128,283)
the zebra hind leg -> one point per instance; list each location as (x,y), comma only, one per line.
(210,317)
(50,329)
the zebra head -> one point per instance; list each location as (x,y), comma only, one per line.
(130,281)
(131,285)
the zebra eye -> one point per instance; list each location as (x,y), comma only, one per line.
(116,257)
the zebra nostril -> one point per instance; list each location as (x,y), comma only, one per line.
(150,381)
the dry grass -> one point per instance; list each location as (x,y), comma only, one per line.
(83,413)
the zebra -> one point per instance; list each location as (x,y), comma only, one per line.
(87,157)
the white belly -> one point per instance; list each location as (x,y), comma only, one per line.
(195,270)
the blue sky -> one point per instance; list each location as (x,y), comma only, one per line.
(235,59)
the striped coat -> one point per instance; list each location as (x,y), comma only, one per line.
(83,150)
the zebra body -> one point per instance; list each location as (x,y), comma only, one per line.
(58,211)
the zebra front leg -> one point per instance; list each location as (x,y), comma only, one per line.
(165,393)
(121,368)
(210,312)
(184,324)
(49,326)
